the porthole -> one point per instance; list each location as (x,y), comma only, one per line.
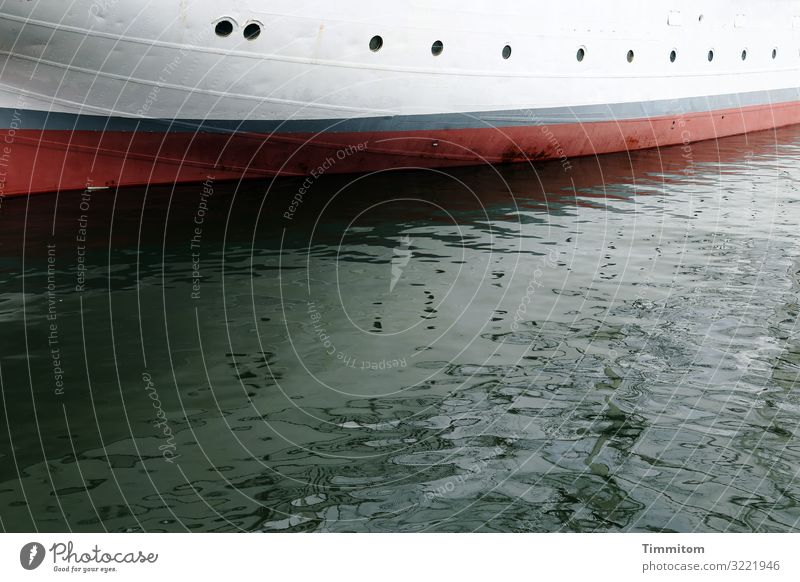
(437,48)
(673,55)
(580,54)
(375,43)
(630,56)
(710,56)
(252,31)
(744,54)
(506,51)
(224,28)
(774,53)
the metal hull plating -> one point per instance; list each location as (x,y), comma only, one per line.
(112,94)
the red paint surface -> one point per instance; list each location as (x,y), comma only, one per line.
(47,161)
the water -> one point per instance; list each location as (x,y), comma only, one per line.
(611,347)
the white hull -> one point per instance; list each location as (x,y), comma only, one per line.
(312,60)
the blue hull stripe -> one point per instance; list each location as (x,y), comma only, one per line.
(42,120)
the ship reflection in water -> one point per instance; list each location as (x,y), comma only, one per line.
(610,347)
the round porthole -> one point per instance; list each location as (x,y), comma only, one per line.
(437,48)
(673,55)
(375,43)
(744,54)
(252,31)
(710,56)
(774,53)
(630,56)
(506,51)
(223,28)
(580,54)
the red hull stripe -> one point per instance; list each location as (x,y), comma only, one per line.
(34,160)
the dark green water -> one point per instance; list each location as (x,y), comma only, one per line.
(612,347)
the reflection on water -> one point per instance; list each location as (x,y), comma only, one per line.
(494,349)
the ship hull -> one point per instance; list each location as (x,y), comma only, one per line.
(107,95)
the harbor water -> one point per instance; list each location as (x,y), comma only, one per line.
(599,344)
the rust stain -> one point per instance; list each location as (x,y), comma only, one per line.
(511,154)
(318,40)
